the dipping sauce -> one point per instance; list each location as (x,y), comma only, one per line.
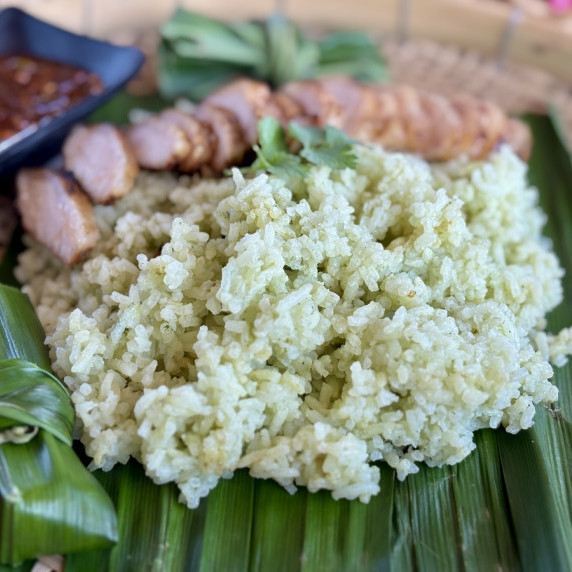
(33,90)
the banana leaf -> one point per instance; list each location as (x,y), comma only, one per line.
(32,396)
(49,502)
(508,506)
(16,314)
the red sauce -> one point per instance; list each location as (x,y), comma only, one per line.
(32,89)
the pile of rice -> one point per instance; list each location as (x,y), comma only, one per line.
(305,329)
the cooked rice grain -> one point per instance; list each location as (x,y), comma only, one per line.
(306,329)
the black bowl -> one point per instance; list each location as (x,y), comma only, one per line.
(115,65)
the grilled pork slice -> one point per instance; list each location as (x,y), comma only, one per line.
(319,105)
(357,101)
(229,137)
(200,137)
(517,134)
(385,125)
(56,213)
(432,126)
(249,100)
(101,161)
(287,109)
(436,127)
(158,144)
(483,124)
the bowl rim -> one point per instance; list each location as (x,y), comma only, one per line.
(123,61)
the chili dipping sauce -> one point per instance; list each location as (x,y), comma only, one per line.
(33,90)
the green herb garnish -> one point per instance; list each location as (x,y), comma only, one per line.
(197,54)
(329,147)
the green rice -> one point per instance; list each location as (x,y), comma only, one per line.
(306,329)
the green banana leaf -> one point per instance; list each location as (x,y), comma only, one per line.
(17,313)
(508,506)
(49,502)
(32,396)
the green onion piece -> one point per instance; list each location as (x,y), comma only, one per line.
(49,502)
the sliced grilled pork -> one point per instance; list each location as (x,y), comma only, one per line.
(199,135)
(317,102)
(158,144)
(483,124)
(101,161)
(229,137)
(517,134)
(249,100)
(385,126)
(357,101)
(288,108)
(56,212)
(433,127)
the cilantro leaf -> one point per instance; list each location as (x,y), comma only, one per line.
(272,153)
(307,135)
(271,136)
(333,157)
(329,146)
(338,137)
(279,163)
